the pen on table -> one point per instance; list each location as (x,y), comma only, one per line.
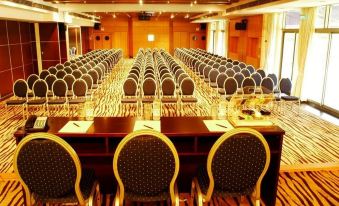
(221,126)
(148,127)
(76,124)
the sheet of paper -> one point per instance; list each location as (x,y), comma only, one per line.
(218,125)
(76,127)
(253,123)
(147,124)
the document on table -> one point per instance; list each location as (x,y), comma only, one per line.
(76,127)
(147,124)
(218,125)
(252,123)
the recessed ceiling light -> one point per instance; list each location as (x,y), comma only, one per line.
(191,4)
(168,2)
(195,2)
(140,2)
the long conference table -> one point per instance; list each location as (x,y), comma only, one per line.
(190,136)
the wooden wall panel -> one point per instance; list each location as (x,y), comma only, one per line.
(245,45)
(130,34)
(16,54)
(85,38)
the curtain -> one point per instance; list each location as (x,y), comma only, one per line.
(209,47)
(227,26)
(271,42)
(306,31)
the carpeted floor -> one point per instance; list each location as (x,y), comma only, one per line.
(308,140)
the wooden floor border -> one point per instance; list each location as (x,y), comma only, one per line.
(329,166)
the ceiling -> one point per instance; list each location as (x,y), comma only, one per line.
(219,2)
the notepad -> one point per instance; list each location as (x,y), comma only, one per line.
(147,124)
(252,123)
(218,125)
(76,127)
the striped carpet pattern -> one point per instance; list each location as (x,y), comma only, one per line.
(308,140)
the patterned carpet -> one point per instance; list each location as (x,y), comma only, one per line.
(308,140)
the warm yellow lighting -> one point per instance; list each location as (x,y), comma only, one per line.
(21,6)
(140,2)
(150,37)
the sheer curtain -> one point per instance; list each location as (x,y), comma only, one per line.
(271,42)
(306,31)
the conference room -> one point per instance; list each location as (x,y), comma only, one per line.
(179,102)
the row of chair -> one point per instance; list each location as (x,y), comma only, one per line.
(231,82)
(65,90)
(155,74)
(146,166)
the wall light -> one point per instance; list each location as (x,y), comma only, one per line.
(150,37)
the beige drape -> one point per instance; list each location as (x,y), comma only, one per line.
(227,23)
(271,42)
(306,32)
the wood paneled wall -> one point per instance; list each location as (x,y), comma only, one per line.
(245,45)
(16,54)
(130,34)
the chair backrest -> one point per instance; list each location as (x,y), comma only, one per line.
(213,75)
(257,78)
(61,74)
(48,166)
(262,73)
(20,88)
(69,79)
(250,68)
(236,68)
(230,86)
(267,85)
(94,75)
(222,68)
(229,65)
(239,77)
(31,80)
(285,86)
(43,74)
(133,76)
(248,85)
(146,163)
(77,74)
(230,72)
(88,79)
(168,86)
(99,71)
(50,80)
(40,88)
(60,88)
(83,70)
(242,65)
(59,66)
(52,70)
(237,162)
(80,88)
(130,87)
(67,63)
(149,86)
(68,70)
(245,72)
(221,80)
(235,62)
(274,79)
(74,66)
(187,86)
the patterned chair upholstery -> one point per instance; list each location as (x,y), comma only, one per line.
(146,165)
(236,165)
(20,91)
(50,172)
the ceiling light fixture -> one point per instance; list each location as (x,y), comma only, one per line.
(191,4)
(114,16)
(195,2)
(140,2)
(172,16)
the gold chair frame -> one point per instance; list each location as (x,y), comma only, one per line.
(196,190)
(174,195)
(41,135)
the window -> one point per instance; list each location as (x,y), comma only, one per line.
(292,19)
(334,16)
(290,45)
(316,66)
(332,83)
(320,17)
